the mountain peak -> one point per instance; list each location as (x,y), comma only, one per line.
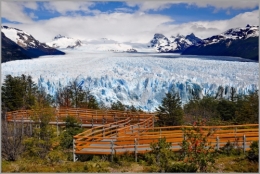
(58,37)
(158,35)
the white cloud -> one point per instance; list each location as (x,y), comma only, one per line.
(126,27)
(222,4)
(123,10)
(68,6)
(152,5)
(219,4)
(30,5)
(33,16)
(15,11)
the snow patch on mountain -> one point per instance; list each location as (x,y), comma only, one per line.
(62,42)
(233,34)
(22,38)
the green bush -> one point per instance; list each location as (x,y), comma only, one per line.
(160,155)
(182,167)
(95,168)
(253,153)
(54,157)
(231,149)
(72,128)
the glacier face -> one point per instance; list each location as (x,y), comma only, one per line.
(139,79)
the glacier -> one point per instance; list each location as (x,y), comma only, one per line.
(139,79)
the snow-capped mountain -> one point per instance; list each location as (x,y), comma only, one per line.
(11,51)
(233,34)
(109,47)
(22,38)
(237,42)
(33,47)
(62,42)
(174,44)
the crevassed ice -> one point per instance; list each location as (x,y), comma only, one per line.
(139,79)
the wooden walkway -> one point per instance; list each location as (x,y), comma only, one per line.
(117,132)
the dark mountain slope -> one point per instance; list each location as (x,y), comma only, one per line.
(248,48)
(11,51)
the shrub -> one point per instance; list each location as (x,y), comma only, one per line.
(253,153)
(95,168)
(183,167)
(72,128)
(54,157)
(160,155)
(231,149)
(195,148)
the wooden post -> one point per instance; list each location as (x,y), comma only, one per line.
(103,131)
(57,126)
(92,121)
(22,125)
(138,128)
(161,134)
(136,150)
(217,143)
(244,143)
(14,119)
(81,122)
(96,116)
(30,127)
(74,150)
(112,150)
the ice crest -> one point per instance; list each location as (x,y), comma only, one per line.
(139,79)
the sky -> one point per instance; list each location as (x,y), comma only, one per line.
(127,21)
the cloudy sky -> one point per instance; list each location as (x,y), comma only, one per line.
(127,21)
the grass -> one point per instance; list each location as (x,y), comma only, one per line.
(224,164)
(228,164)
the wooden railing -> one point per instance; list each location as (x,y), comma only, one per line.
(117,132)
(84,116)
(137,139)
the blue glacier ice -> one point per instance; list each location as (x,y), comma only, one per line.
(139,79)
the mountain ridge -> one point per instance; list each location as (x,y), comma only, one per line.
(236,42)
(30,46)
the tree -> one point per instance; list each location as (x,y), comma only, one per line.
(18,93)
(73,95)
(72,128)
(12,141)
(40,144)
(247,108)
(170,113)
(89,101)
(205,108)
(63,97)
(118,106)
(226,110)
